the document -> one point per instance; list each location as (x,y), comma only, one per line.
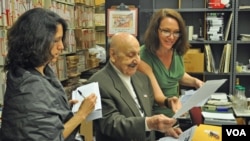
(184,136)
(219,96)
(206,132)
(83,91)
(222,116)
(202,132)
(187,94)
(202,93)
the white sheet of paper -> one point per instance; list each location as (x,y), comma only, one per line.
(185,97)
(219,96)
(223,116)
(202,93)
(184,136)
(86,90)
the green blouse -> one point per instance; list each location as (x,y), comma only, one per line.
(168,79)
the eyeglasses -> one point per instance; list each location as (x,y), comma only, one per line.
(167,33)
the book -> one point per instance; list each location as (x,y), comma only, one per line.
(244,7)
(190,31)
(210,64)
(227,58)
(207,59)
(184,136)
(228,26)
(222,60)
(224,66)
(216,118)
(207,133)
(197,133)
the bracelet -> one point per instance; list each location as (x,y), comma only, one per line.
(166,103)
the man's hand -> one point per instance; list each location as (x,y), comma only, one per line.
(160,123)
(173,132)
(175,103)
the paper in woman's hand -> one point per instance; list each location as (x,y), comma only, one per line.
(83,91)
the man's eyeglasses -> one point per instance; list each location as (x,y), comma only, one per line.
(167,33)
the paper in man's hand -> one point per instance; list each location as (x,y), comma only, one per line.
(204,92)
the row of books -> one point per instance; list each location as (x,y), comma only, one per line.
(2,86)
(76,39)
(77,15)
(71,66)
(85,38)
(86,2)
(100,38)
(84,16)
(217,27)
(224,66)
(12,9)
(3,49)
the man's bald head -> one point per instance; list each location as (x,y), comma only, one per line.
(122,39)
(124,52)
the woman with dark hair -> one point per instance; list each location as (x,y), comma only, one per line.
(162,60)
(35,104)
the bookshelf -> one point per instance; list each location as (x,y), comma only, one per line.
(3,51)
(242,44)
(80,37)
(100,32)
(213,27)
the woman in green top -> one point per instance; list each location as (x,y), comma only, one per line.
(162,59)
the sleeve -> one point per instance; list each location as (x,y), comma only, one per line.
(118,121)
(39,109)
(116,124)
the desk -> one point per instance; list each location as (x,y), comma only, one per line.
(197,117)
(242,114)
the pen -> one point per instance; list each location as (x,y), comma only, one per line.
(212,134)
(80,93)
(177,126)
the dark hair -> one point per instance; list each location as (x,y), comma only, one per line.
(30,38)
(151,38)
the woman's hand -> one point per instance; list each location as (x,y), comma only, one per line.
(87,106)
(198,83)
(174,103)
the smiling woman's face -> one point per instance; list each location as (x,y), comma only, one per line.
(168,25)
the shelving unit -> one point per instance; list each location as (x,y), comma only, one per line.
(100,31)
(80,36)
(242,48)
(3,52)
(195,13)
(79,16)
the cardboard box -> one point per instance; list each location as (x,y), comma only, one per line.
(86,130)
(194,62)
